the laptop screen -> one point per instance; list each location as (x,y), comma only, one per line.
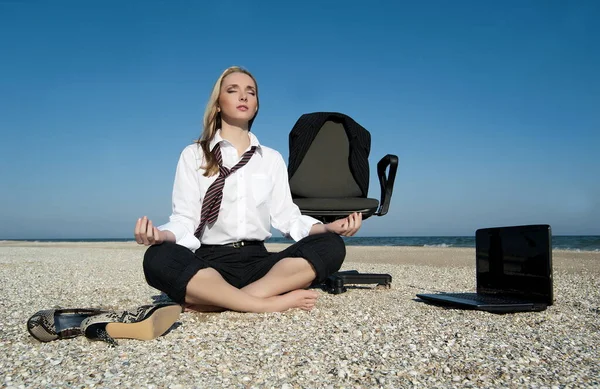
(515,261)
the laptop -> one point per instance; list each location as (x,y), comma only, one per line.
(514,271)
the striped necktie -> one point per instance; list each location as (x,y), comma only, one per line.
(214,195)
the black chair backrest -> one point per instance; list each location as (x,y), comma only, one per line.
(329,156)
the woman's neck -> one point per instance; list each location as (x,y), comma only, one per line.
(236,135)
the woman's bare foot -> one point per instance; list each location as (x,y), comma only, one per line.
(300,298)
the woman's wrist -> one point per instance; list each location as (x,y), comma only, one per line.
(318,228)
(167,236)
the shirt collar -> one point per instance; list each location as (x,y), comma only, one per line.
(253,141)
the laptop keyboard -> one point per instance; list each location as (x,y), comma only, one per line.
(482,298)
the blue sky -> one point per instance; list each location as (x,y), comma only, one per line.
(493,107)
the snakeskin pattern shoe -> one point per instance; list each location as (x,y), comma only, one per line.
(53,324)
(145,323)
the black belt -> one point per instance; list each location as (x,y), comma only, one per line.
(236,245)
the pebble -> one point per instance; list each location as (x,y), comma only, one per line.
(363,338)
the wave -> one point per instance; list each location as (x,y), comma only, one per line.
(588,243)
(575,249)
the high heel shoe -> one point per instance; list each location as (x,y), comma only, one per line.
(52,324)
(145,323)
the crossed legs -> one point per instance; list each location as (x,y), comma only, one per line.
(280,289)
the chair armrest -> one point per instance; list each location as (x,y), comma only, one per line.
(387,183)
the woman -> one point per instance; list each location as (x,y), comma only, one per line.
(228,191)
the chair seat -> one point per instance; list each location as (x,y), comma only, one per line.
(339,207)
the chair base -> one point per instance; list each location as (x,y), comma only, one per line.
(336,283)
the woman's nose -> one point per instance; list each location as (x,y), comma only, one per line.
(243,97)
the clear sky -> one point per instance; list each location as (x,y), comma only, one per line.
(493,107)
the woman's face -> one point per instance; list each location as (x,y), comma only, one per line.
(238,100)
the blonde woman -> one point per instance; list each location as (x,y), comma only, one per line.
(229,190)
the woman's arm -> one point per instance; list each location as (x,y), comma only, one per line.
(347,226)
(185,216)
(286,216)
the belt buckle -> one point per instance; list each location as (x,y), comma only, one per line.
(237,245)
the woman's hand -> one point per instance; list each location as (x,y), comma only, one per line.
(347,226)
(146,234)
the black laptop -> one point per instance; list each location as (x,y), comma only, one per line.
(514,271)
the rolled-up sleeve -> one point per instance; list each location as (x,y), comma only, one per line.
(185,216)
(285,214)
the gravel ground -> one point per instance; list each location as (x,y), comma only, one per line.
(364,338)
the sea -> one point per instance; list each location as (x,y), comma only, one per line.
(559,242)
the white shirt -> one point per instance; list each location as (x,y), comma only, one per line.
(254,197)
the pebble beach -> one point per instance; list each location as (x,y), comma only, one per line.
(367,337)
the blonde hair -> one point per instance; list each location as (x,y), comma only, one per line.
(212,119)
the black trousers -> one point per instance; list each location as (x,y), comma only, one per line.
(169,267)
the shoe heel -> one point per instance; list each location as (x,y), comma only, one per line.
(153,326)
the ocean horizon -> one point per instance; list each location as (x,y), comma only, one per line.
(559,242)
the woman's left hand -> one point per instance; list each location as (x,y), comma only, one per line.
(347,226)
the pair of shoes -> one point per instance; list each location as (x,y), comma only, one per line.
(145,323)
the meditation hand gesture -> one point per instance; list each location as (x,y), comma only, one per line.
(347,226)
(146,234)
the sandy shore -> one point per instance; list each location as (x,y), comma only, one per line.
(364,338)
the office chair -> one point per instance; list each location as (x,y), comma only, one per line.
(328,173)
